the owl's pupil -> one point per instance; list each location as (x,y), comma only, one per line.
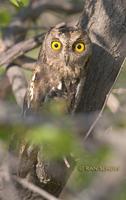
(79,46)
(56,45)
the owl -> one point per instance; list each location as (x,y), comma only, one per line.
(60,73)
(61,68)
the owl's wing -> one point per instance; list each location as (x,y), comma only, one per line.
(27,105)
(35,92)
(40,90)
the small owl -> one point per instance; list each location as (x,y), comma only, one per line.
(61,68)
(59,74)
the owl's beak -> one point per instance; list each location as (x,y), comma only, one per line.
(66,58)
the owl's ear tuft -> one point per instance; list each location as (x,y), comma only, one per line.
(60,25)
(48,32)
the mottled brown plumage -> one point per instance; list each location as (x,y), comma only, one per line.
(59,73)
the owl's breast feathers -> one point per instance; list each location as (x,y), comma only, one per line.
(49,82)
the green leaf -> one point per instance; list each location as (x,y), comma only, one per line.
(57,141)
(19,3)
(5,132)
(25,2)
(4,17)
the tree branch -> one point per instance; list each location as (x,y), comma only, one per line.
(19,49)
(18,83)
(25,62)
(35,189)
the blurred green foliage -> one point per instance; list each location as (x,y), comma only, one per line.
(121,192)
(5,133)
(58,141)
(88,165)
(19,3)
(121,82)
(5,17)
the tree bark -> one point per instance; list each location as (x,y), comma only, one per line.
(106,22)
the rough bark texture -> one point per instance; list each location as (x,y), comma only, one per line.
(106,22)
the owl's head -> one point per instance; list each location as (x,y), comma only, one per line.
(67,45)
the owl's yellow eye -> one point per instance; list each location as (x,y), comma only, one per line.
(56,45)
(79,47)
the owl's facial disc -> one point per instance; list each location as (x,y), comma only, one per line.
(68,46)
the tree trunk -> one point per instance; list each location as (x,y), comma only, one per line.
(106,22)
